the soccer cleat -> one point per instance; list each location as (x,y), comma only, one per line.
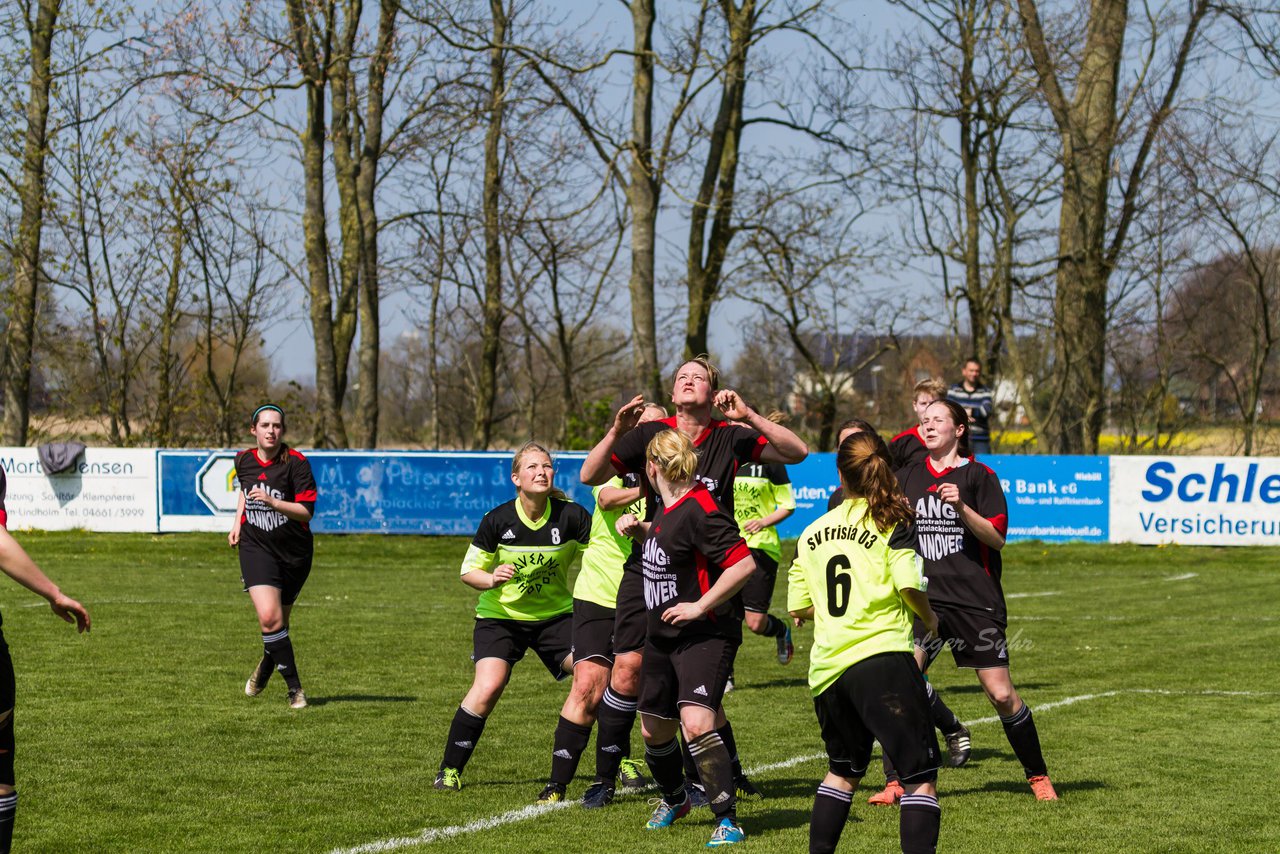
(631,774)
(745,790)
(1043,788)
(958,747)
(890,796)
(786,649)
(597,795)
(697,794)
(449,778)
(728,684)
(552,793)
(726,833)
(258,680)
(297,699)
(665,815)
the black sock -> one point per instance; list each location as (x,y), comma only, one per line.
(571,739)
(890,773)
(944,719)
(918,820)
(690,767)
(731,745)
(280,648)
(716,771)
(830,812)
(8,810)
(775,628)
(1020,729)
(464,735)
(664,764)
(614,719)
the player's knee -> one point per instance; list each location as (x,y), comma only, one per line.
(626,675)
(270,621)
(5,790)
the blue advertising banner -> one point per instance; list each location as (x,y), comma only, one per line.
(1055,498)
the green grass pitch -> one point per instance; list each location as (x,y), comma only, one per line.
(1151,672)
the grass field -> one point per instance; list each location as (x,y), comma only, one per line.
(1151,672)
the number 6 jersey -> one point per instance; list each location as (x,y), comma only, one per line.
(851,573)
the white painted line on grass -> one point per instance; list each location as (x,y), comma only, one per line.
(433,834)
(1030,595)
(1182,577)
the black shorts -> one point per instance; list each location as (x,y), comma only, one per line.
(8,694)
(259,567)
(508,639)
(678,672)
(976,640)
(881,698)
(757,593)
(631,619)
(592,632)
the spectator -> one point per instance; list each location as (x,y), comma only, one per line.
(975,398)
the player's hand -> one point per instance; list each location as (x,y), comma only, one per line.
(949,493)
(261,495)
(233,538)
(70,611)
(797,621)
(752,526)
(628,415)
(503,573)
(682,613)
(733,407)
(628,525)
(930,621)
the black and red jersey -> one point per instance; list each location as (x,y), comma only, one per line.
(690,544)
(287,477)
(906,448)
(4,486)
(963,572)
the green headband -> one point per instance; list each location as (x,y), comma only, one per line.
(254,418)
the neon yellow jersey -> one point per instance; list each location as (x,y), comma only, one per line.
(759,489)
(602,562)
(541,551)
(851,572)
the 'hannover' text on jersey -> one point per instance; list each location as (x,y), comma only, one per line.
(286,477)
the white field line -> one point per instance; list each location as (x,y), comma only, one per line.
(432,834)
(1182,577)
(1030,595)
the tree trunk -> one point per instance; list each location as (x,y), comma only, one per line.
(26,256)
(642,196)
(163,430)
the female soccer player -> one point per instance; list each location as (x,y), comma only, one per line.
(272,530)
(856,576)
(962,517)
(694,561)
(847,429)
(908,446)
(595,596)
(518,560)
(18,565)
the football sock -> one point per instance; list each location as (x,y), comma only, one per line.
(464,735)
(775,627)
(830,812)
(716,771)
(664,763)
(570,740)
(280,649)
(918,820)
(943,718)
(1020,729)
(690,767)
(615,719)
(730,744)
(890,773)
(8,810)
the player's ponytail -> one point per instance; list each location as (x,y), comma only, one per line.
(865,473)
(673,454)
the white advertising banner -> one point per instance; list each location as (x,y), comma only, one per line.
(1204,501)
(106,490)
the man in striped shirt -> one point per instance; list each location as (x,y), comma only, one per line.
(976,400)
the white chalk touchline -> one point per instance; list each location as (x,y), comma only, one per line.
(1182,577)
(1030,595)
(432,834)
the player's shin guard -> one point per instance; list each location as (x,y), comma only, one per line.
(280,648)
(830,812)
(716,771)
(1020,729)
(8,810)
(664,764)
(570,740)
(464,735)
(730,744)
(615,719)
(918,821)
(944,719)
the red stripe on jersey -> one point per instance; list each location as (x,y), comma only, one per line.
(914,431)
(307,495)
(761,443)
(704,579)
(705,499)
(737,553)
(260,460)
(4,519)
(928,463)
(1001,523)
(297,454)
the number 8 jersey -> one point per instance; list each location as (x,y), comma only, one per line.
(851,573)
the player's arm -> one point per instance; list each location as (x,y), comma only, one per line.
(483,580)
(799,599)
(918,602)
(298,511)
(784,446)
(628,525)
(906,571)
(615,498)
(233,538)
(730,582)
(597,468)
(18,565)
(751,526)
(983,528)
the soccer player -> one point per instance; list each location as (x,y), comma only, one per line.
(857,576)
(908,446)
(694,561)
(18,565)
(518,559)
(277,498)
(721,447)
(975,397)
(762,499)
(595,595)
(961,518)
